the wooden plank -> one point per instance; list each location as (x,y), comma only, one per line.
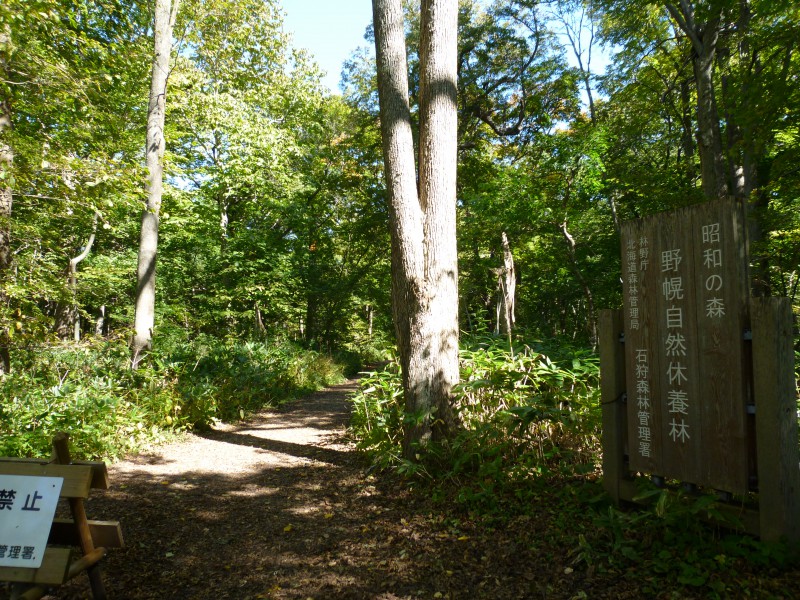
(776,419)
(612,386)
(55,565)
(677,349)
(100,480)
(33,593)
(721,292)
(749,518)
(628,490)
(62,455)
(85,562)
(104,533)
(684,321)
(77,478)
(644,422)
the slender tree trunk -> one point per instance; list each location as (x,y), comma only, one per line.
(6,199)
(424,257)
(746,149)
(100,324)
(747,56)
(587,291)
(73,281)
(261,330)
(166,11)
(223,224)
(370,311)
(687,131)
(507,287)
(67,320)
(576,37)
(312,325)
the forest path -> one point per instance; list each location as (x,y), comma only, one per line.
(281,506)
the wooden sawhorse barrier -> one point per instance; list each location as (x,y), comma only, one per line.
(93,537)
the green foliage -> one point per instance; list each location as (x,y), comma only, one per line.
(530,444)
(378,412)
(545,397)
(228,379)
(525,415)
(272,217)
(671,542)
(85,391)
(108,410)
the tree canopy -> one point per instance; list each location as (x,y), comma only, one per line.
(275,222)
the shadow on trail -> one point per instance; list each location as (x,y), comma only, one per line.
(302,520)
(305,523)
(317,453)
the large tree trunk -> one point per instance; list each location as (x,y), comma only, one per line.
(6,199)
(704,37)
(424,258)
(712,162)
(166,11)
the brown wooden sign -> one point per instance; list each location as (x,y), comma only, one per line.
(685,312)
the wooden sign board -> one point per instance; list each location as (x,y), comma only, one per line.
(685,298)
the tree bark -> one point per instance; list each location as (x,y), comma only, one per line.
(587,291)
(67,321)
(704,37)
(165,14)
(424,257)
(6,199)
(687,131)
(101,322)
(73,281)
(506,287)
(712,162)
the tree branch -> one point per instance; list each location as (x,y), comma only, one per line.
(686,23)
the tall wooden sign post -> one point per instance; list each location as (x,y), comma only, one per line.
(697,378)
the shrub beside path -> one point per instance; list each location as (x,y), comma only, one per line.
(283,507)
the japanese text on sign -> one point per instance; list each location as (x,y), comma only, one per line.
(675,345)
(712,262)
(27,507)
(685,308)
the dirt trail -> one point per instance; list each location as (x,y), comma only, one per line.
(281,507)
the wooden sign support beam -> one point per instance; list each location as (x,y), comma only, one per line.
(776,419)
(62,455)
(612,388)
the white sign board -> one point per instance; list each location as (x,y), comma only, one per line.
(27,507)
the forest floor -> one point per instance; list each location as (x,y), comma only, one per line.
(283,507)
